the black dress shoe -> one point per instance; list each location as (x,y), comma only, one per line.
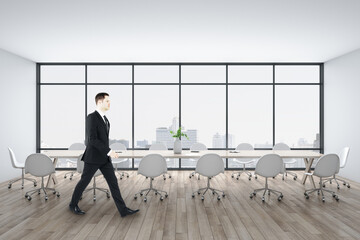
(75,209)
(128,211)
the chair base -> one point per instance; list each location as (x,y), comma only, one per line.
(268,190)
(22,180)
(336,180)
(290,173)
(240,172)
(38,190)
(213,190)
(147,190)
(123,174)
(71,175)
(94,188)
(320,190)
(193,175)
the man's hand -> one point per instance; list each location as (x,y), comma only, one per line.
(114,154)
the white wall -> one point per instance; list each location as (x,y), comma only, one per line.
(342,111)
(18,111)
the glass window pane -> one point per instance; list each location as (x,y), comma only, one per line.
(297,74)
(203,74)
(62,116)
(62,74)
(250,74)
(156,112)
(156,74)
(203,112)
(109,74)
(120,113)
(297,116)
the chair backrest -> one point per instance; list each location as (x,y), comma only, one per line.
(327,165)
(39,165)
(158,146)
(198,147)
(152,165)
(344,156)
(14,162)
(117,146)
(269,165)
(77,146)
(210,165)
(80,167)
(281,146)
(244,146)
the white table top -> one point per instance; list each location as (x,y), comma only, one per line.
(189,154)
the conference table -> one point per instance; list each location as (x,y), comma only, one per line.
(308,156)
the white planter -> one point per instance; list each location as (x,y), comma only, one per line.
(177,146)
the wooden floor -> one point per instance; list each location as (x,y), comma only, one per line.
(180,216)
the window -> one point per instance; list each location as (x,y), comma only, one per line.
(63,74)
(109,74)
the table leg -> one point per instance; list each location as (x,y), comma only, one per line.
(308,163)
(52,180)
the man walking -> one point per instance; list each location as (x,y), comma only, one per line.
(98,155)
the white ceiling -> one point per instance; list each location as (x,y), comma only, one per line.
(180,31)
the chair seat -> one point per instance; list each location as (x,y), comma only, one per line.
(244,161)
(289,161)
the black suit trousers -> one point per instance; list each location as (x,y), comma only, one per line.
(109,175)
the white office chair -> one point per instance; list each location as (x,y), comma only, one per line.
(161,147)
(244,161)
(209,165)
(39,165)
(343,159)
(287,161)
(119,147)
(151,166)
(267,166)
(80,168)
(21,166)
(74,146)
(197,147)
(326,167)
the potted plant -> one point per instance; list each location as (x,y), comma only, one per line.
(177,143)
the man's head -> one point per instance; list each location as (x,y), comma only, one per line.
(102,101)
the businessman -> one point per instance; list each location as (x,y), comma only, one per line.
(98,155)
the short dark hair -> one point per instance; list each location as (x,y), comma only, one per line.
(100,96)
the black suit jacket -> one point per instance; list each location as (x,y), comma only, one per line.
(96,140)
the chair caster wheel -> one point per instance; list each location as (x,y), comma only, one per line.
(127,176)
(108,195)
(338,187)
(237,178)
(279,199)
(121,178)
(156,193)
(323,185)
(323,199)
(164,178)
(169,176)
(223,195)
(198,193)
(54,192)
(135,197)
(29,198)
(190,176)
(46,198)
(218,198)
(65,176)
(58,195)
(22,187)
(26,195)
(166,195)
(255,177)
(145,199)
(249,178)
(251,196)
(9,186)
(161,198)
(141,194)
(232,176)
(295,178)
(337,198)
(348,186)
(263,199)
(38,192)
(94,199)
(193,195)
(202,198)
(213,193)
(70,178)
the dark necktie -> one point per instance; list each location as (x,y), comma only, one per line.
(107,123)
